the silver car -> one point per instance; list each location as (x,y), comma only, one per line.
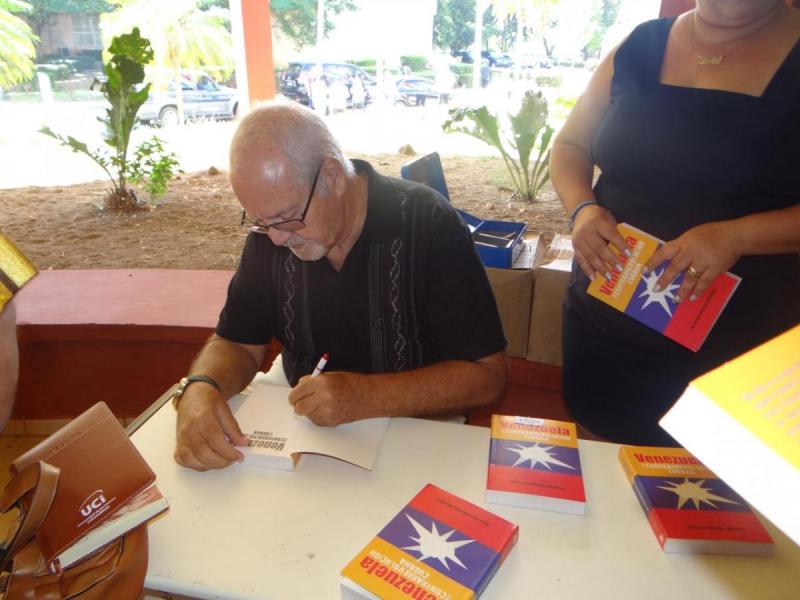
(204,98)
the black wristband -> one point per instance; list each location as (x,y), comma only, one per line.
(205,379)
(186,382)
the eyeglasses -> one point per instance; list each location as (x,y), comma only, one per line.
(257,226)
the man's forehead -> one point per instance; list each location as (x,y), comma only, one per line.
(266,188)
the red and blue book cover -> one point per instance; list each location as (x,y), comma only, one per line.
(438,546)
(689,508)
(535,463)
(634,294)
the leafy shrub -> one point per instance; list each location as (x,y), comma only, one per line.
(463,75)
(414,62)
(125,93)
(153,168)
(58,69)
(549,80)
(525,131)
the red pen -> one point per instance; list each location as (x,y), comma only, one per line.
(320,365)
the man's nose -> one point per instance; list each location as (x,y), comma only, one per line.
(278,237)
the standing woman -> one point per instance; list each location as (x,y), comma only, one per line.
(693,122)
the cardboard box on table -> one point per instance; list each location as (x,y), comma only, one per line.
(513,292)
(550,283)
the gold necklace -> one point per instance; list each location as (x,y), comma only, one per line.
(716,59)
(700,59)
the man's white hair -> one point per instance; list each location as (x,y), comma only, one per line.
(302,136)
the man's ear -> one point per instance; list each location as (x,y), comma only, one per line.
(335,174)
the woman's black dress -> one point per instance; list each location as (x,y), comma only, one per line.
(672,158)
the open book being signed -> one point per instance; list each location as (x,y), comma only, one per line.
(278,437)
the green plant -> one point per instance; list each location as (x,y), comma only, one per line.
(153,168)
(549,81)
(125,93)
(463,74)
(17,40)
(526,131)
(366,62)
(414,62)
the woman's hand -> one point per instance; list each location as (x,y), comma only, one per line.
(703,252)
(595,227)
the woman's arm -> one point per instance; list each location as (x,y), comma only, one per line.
(713,248)
(572,170)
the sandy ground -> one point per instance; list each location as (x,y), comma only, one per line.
(50,197)
(196,225)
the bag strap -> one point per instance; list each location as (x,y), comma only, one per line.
(40,478)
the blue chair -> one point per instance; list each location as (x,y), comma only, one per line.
(428,170)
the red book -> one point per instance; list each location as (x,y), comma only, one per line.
(437,546)
(689,508)
(633,293)
(535,463)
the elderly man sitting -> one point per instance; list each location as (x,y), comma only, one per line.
(377,272)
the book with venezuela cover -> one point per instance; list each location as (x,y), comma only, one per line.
(689,508)
(101,472)
(438,546)
(634,294)
(278,437)
(535,463)
(743,420)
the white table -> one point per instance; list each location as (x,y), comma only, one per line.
(250,533)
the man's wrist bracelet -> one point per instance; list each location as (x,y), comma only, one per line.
(186,381)
(578,209)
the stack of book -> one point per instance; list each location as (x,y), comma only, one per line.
(438,546)
(689,508)
(105,488)
(535,463)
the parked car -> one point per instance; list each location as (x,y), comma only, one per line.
(532,61)
(202,98)
(294,82)
(414,91)
(497,59)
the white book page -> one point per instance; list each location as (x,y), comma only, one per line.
(763,477)
(266,410)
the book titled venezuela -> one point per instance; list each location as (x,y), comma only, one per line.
(101,471)
(634,294)
(438,547)
(278,438)
(743,420)
(689,508)
(535,463)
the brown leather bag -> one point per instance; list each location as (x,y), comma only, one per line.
(115,571)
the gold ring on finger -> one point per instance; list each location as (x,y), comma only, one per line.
(693,273)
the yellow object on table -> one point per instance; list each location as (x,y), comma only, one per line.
(15,270)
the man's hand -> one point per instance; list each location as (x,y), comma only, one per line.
(709,250)
(331,399)
(594,228)
(207,431)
